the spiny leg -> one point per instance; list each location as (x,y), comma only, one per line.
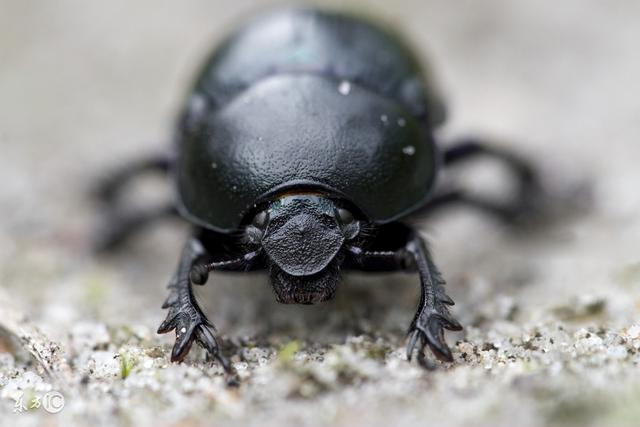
(432,316)
(185,315)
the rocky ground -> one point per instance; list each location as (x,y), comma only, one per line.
(551,314)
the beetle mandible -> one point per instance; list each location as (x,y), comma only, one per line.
(304,129)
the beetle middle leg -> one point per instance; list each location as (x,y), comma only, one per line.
(526,203)
(117,223)
(432,316)
(111,186)
(118,226)
(469,148)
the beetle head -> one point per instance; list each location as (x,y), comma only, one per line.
(302,235)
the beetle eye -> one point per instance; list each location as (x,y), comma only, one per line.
(345,216)
(260,220)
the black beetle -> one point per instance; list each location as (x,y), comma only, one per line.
(308,137)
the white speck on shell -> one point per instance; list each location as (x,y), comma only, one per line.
(344,88)
(409,150)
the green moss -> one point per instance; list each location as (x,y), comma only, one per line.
(377,351)
(289,350)
(127,362)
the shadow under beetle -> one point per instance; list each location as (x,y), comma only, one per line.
(306,140)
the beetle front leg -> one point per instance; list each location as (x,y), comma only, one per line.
(433,314)
(185,315)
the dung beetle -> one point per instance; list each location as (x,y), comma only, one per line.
(306,141)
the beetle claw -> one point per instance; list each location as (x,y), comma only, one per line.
(171,300)
(208,341)
(190,325)
(184,339)
(413,339)
(430,330)
(448,322)
(169,323)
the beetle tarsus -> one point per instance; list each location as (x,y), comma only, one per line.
(430,329)
(208,341)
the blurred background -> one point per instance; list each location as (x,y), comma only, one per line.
(552,316)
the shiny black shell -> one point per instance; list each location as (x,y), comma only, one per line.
(303,98)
